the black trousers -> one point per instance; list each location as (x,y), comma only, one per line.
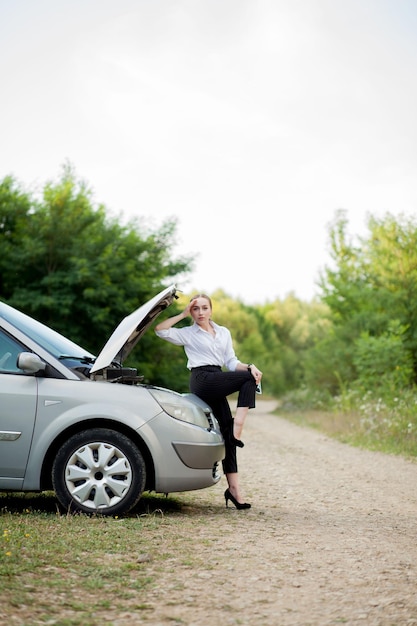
(213,386)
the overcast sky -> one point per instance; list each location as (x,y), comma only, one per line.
(250,121)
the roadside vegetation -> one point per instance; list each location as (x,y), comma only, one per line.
(345,362)
(383,422)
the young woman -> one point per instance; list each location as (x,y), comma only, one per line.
(209,347)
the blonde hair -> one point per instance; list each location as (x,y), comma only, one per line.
(202,295)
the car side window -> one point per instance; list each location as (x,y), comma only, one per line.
(9,349)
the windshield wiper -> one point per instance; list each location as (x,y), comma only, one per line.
(82,359)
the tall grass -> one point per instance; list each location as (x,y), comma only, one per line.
(377,419)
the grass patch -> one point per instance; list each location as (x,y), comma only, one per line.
(78,570)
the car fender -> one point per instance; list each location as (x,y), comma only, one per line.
(50,430)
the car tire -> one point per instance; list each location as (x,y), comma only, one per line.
(99,471)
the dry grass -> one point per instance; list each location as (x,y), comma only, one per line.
(387,432)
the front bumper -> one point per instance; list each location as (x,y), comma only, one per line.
(199,456)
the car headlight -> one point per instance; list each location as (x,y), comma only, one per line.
(179,407)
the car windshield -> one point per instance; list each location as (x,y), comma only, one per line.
(50,340)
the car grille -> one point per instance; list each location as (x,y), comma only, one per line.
(216,473)
(210,420)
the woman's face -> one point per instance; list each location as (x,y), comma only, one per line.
(200,310)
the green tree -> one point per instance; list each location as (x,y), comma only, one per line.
(384,361)
(392,253)
(67,263)
(371,285)
(15,206)
(297,326)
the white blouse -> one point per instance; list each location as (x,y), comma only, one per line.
(201,347)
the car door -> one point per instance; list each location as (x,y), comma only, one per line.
(18,400)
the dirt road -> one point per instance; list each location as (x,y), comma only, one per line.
(331,538)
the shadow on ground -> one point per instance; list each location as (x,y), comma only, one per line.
(46,502)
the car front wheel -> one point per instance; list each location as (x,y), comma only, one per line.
(99,471)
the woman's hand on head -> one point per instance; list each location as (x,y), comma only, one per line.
(187,310)
(171,321)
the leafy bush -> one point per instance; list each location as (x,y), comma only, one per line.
(384,361)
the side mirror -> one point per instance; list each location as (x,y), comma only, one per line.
(30,363)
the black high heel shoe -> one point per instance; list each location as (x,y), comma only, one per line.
(239,505)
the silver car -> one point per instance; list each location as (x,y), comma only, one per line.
(88,428)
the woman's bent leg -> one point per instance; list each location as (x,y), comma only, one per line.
(245,401)
(215,385)
(240,416)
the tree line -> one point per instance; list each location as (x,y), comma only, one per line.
(66,261)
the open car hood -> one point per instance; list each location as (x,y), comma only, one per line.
(131,329)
